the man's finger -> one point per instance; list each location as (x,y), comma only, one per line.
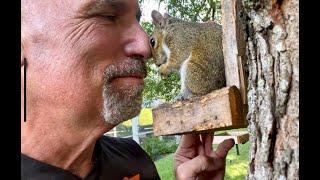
(189,140)
(208,144)
(190,169)
(224,147)
(201,146)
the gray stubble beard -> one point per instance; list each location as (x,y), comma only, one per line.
(120,104)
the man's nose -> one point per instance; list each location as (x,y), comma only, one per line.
(137,44)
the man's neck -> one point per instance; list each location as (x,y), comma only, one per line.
(69,149)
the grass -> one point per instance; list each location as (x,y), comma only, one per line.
(165,167)
(236,166)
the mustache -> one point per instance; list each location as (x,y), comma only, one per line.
(128,67)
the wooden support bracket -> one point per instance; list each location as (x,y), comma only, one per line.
(221,109)
(234,46)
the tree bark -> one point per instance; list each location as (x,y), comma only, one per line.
(273,89)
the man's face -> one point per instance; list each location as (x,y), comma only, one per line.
(85,57)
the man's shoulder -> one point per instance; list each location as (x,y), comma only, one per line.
(119,144)
(123,157)
(118,141)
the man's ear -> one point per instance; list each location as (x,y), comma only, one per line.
(157,18)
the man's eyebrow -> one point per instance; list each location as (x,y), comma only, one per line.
(118,6)
(96,5)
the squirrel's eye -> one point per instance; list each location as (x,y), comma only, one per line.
(152,42)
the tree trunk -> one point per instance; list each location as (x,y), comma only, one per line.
(273,89)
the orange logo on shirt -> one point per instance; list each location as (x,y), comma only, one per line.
(135,177)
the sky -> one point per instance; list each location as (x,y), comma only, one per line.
(147,8)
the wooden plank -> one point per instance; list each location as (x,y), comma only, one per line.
(218,110)
(238,139)
(241,139)
(234,46)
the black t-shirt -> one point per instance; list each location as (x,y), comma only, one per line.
(115,158)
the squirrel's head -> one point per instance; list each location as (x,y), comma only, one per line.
(159,47)
(162,42)
(168,42)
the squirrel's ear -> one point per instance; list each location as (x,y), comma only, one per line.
(157,18)
(166,15)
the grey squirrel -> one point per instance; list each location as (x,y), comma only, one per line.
(194,50)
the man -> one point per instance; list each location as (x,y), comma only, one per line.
(84,62)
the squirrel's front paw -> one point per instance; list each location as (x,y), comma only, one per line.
(179,97)
(184,96)
(163,70)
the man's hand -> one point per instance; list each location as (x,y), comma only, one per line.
(195,159)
